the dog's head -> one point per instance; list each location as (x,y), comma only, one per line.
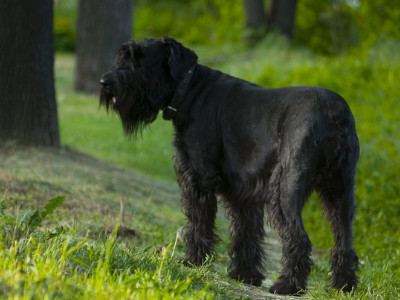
(143,80)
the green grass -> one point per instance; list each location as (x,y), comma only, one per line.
(87,261)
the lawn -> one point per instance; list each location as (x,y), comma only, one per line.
(76,250)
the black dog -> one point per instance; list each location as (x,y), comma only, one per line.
(255,148)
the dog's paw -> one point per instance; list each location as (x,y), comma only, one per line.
(282,288)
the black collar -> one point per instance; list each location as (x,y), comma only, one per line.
(171,110)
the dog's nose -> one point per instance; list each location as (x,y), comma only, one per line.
(104,82)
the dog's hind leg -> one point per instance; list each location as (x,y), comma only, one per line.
(247,241)
(336,190)
(337,197)
(287,198)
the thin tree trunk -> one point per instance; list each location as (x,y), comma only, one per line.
(102,27)
(282,16)
(254,13)
(28,110)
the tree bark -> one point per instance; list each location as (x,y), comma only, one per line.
(282,16)
(102,28)
(28,109)
(254,13)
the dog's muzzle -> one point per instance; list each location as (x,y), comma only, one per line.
(107,86)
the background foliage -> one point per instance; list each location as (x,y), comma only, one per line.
(328,27)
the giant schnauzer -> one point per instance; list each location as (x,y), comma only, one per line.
(254,148)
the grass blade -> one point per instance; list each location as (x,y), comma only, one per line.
(51,206)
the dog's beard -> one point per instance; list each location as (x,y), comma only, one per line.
(134,100)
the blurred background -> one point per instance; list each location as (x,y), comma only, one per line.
(328,27)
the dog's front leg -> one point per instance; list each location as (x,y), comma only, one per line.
(200,237)
(200,207)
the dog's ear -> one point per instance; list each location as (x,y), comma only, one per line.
(181,59)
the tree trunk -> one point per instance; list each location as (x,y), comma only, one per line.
(254,13)
(28,109)
(102,27)
(282,16)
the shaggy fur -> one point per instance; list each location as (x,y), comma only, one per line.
(255,149)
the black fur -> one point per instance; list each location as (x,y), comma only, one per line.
(256,149)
